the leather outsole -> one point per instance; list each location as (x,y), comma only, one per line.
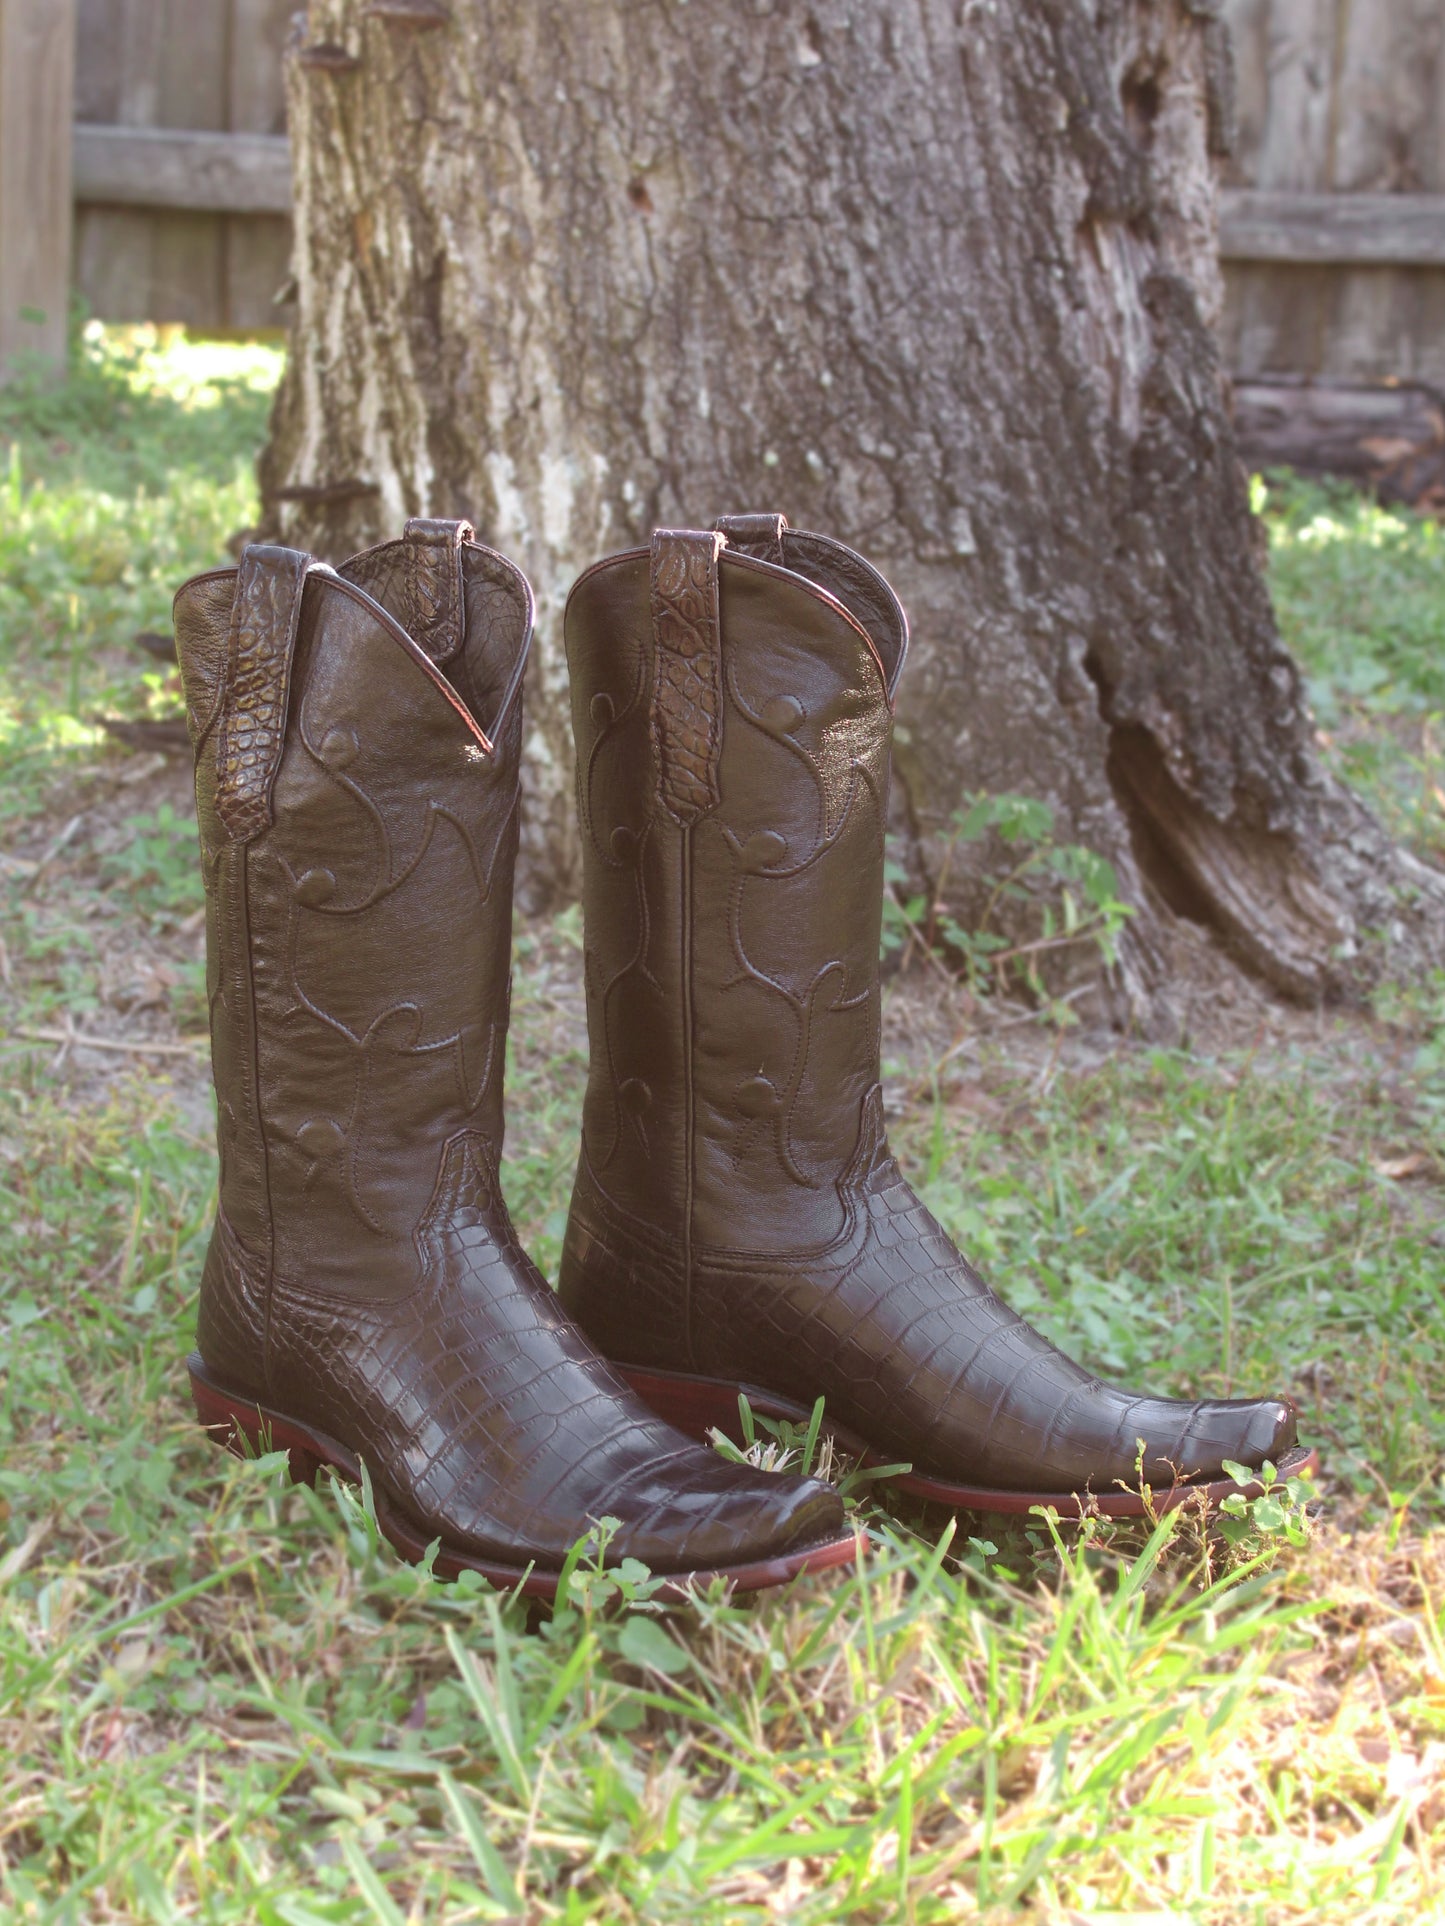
(247,1428)
(698,1406)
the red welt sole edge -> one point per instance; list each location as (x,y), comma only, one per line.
(246,1427)
(699,1405)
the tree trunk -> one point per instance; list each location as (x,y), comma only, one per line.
(935,278)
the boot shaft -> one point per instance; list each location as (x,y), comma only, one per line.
(357,808)
(732,720)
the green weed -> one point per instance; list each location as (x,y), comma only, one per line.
(155,865)
(1072,893)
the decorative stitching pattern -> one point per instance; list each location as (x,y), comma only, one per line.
(793,1021)
(849,761)
(859,587)
(686,670)
(386,830)
(264,619)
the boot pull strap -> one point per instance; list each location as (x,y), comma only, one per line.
(686,669)
(264,619)
(757,535)
(436,599)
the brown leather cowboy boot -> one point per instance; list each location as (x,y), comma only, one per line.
(738,1221)
(357,735)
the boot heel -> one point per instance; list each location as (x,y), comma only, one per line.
(248,1429)
(239,1426)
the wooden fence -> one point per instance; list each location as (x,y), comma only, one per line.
(154,133)
(169,228)
(1333,230)
(1334,238)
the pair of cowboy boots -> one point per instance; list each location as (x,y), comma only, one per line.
(738,1222)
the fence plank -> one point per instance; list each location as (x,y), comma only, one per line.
(1390,94)
(1287,67)
(251,173)
(172,168)
(187,66)
(1339,98)
(257,91)
(1332,93)
(190,272)
(258,252)
(37,65)
(1301,59)
(118,61)
(1401,230)
(118,64)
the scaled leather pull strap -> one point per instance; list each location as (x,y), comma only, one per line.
(759,535)
(687,670)
(264,618)
(436,597)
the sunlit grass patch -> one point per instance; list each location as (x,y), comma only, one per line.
(141,403)
(150,359)
(113,487)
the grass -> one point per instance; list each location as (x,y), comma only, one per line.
(1361,596)
(221,1700)
(113,485)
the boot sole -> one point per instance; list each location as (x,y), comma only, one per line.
(699,1405)
(247,1428)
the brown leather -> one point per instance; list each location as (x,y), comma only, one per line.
(759,535)
(364,1279)
(737,1213)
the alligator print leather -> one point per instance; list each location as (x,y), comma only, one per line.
(365,1296)
(686,699)
(258,673)
(738,1219)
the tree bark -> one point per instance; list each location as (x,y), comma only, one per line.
(936,278)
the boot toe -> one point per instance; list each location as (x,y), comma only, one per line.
(1265,1427)
(1098,1448)
(718,1515)
(807,1512)
(1246,1431)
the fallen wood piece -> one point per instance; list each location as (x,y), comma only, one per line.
(79,1040)
(169,736)
(161,646)
(53,849)
(1387,436)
